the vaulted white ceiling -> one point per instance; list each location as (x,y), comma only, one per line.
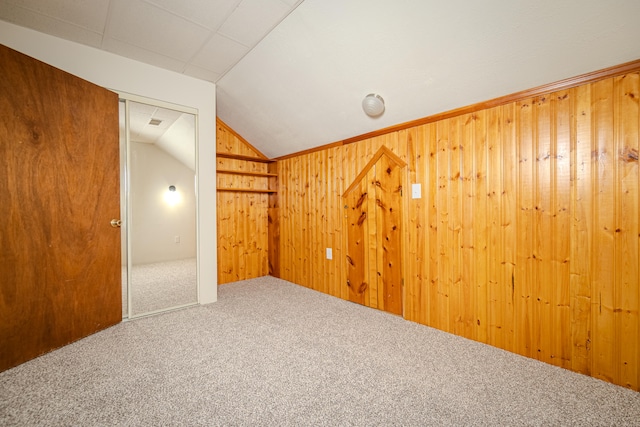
(291,74)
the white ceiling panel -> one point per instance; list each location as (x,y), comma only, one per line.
(175,134)
(208,13)
(88,14)
(219,54)
(140,116)
(167,116)
(49,25)
(292,3)
(291,74)
(142,55)
(253,19)
(151,28)
(201,73)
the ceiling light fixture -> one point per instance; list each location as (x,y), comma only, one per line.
(373,105)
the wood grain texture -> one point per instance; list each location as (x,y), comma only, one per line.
(561,223)
(228,141)
(273,220)
(373,220)
(496,322)
(357,210)
(247,209)
(627,292)
(477,211)
(581,257)
(509,222)
(526,236)
(603,262)
(416,287)
(453,231)
(388,190)
(443,235)
(60,277)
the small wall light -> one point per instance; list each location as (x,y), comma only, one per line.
(172,197)
(373,105)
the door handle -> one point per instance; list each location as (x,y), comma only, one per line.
(115,223)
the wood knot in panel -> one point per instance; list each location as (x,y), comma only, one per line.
(629,154)
(363,287)
(361,200)
(363,217)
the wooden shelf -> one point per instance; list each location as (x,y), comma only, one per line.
(248,190)
(247,173)
(246,158)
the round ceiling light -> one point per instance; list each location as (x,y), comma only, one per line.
(373,105)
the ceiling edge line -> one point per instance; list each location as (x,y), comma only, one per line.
(243,140)
(571,82)
(256,44)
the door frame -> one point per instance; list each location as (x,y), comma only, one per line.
(127,98)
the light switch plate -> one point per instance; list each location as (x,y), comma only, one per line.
(329,253)
(416,191)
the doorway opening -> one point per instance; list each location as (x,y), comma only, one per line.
(158,147)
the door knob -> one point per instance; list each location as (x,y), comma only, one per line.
(115,223)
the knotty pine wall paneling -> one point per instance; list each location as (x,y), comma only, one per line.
(244,226)
(273,223)
(526,236)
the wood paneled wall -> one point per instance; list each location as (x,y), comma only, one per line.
(526,236)
(242,216)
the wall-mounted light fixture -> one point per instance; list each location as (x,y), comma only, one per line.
(373,105)
(172,197)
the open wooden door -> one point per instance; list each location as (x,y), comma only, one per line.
(60,277)
(373,205)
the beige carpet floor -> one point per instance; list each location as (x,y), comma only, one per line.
(270,353)
(160,285)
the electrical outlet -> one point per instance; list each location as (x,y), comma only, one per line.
(329,253)
(416,191)
(176,239)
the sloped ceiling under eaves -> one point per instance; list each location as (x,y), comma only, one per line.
(171,131)
(291,74)
(302,85)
